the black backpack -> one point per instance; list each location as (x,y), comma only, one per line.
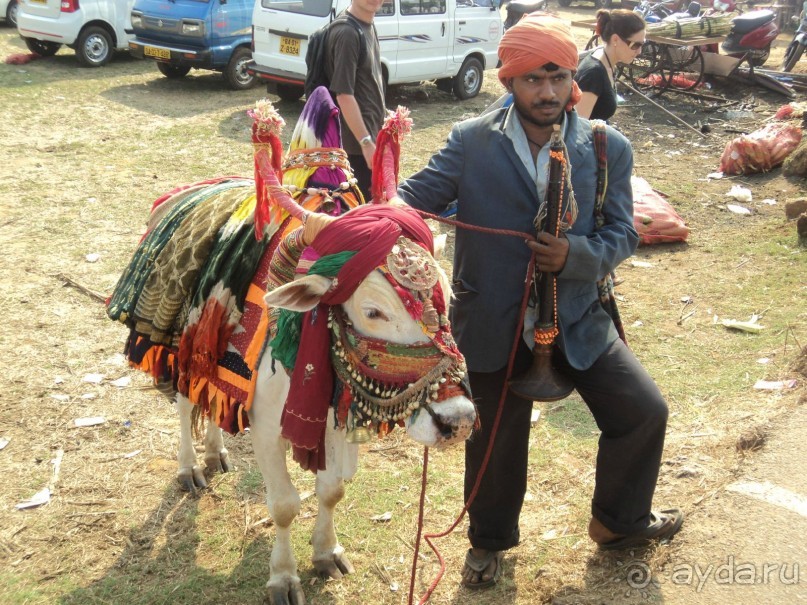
(317,47)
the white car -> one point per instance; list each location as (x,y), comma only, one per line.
(8,11)
(449,41)
(93,28)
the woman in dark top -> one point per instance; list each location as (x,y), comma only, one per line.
(622,33)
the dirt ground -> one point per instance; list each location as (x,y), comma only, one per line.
(85,152)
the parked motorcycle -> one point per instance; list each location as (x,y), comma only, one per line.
(653,12)
(516,9)
(751,33)
(796,47)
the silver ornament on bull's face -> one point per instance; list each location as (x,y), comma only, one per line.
(417,271)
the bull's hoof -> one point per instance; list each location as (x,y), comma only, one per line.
(218,463)
(335,566)
(286,592)
(191,479)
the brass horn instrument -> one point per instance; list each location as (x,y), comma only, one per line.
(542,382)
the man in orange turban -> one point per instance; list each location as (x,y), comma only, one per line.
(495,166)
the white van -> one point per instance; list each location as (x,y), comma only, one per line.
(93,28)
(450,41)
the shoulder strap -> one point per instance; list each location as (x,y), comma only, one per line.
(601,151)
(346,17)
(605,286)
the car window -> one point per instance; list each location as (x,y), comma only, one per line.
(317,8)
(388,8)
(423,7)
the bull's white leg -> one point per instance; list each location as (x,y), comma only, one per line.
(190,475)
(216,455)
(341,457)
(281,496)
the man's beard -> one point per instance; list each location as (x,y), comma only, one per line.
(525,113)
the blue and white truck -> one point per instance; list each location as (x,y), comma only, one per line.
(181,35)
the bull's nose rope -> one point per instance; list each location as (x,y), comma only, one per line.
(429,537)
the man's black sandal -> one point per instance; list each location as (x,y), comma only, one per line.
(663,526)
(479,565)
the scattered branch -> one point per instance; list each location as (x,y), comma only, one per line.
(69,281)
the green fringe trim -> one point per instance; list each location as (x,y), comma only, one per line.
(286,341)
(330,265)
(287,338)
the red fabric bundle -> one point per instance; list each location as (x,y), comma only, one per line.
(791,111)
(21,58)
(654,218)
(761,150)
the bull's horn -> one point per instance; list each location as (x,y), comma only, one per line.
(386,160)
(268,152)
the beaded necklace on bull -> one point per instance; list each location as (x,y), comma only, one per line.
(385,383)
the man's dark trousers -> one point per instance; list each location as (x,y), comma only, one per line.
(631,414)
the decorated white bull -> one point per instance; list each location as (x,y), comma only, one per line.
(357,342)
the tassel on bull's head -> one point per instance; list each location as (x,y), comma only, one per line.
(271,196)
(386,161)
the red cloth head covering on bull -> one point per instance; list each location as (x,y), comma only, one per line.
(366,238)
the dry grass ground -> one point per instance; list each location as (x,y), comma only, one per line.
(85,152)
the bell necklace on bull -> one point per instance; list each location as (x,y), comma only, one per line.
(380,384)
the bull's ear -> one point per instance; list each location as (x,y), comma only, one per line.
(440,245)
(302,294)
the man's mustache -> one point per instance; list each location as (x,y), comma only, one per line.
(546,104)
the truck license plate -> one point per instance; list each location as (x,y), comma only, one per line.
(289,46)
(159,53)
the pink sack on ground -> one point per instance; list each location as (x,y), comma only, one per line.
(654,218)
(760,150)
(21,58)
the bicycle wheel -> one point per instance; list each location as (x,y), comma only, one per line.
(645,73)
(683,67)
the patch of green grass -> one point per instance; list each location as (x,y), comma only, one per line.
(250,484)
(17,590)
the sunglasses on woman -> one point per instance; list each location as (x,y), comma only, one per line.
(634,46)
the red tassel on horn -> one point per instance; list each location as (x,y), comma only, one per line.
(386,161)
(268,156)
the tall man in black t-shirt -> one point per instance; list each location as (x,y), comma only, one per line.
(358,87)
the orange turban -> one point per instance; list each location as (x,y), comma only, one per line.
(538,39)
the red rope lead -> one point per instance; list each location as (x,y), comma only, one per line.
(448,221)
(511,360)
(420,525)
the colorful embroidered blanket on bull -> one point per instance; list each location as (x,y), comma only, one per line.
(192,295)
